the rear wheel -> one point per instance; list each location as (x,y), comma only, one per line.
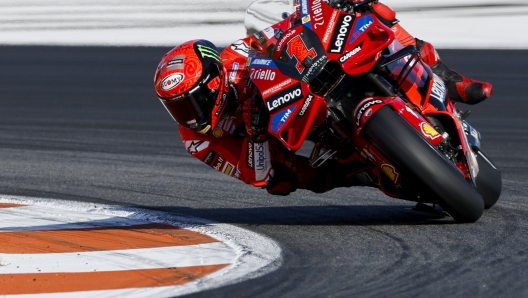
(489,180)
(414,155)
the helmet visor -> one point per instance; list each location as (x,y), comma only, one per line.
(193,108)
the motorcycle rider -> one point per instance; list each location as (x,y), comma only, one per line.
(223,122)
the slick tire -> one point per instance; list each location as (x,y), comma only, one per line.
(415,156)
(489,180)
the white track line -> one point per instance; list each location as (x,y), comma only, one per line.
(119,260)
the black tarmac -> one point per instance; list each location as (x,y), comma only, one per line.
(84,124)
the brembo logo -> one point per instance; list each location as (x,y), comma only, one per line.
(290,96)
(364,108)
(261,74)
(341,35)
(172,81)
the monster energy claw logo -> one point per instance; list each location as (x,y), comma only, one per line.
(207,52)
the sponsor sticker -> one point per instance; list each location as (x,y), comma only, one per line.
(209,158)
(218,132)
(240,47)
(317,13)
(362,24)
(176,63)
(284,38)
(351,54)
(429,131)
(317,65)
(263,62)
(172,81)
(234,71)
(330,27)
(390,171)
(285,98)
(196,146)
(262,161)
(250,162)
(279,120)
(364,108)
(306,104)
(277,88)
(269,32)
(439,91)
(218,163)
(341,34)
(207,52)
(228,168)
(259,74)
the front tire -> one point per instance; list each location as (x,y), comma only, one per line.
(415,156)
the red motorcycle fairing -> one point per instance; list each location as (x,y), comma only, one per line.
(289,57)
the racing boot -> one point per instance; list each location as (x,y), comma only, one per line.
(460,88)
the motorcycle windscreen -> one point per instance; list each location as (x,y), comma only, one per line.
(262,14)
(412,78)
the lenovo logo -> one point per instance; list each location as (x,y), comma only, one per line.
(341,34)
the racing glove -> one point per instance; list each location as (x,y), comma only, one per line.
(256,119)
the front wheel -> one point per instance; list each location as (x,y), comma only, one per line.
(414,155)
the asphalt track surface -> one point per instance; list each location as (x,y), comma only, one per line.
(84,124)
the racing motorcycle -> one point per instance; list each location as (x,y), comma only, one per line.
(336,76)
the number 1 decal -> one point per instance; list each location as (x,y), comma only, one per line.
(298,49)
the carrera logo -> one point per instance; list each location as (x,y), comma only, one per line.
(261,74)
(350,54)
(306,104)
(429,131)
(290,96)
(366,107)
(341,35)
(172,81)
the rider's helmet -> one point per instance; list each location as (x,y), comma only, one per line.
(190,82)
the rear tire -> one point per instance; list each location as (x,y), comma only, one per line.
(415,156)
(489,181)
